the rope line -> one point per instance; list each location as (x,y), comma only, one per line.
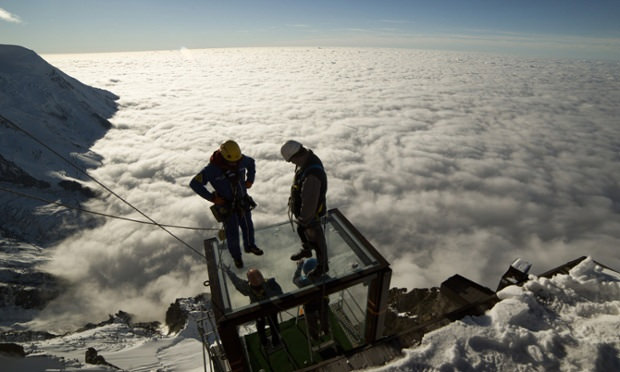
(18,128)
(24,195)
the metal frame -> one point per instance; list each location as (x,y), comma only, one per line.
(378,274)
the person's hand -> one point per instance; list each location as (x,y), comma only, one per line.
(218,200)
(301,224)
(248,184)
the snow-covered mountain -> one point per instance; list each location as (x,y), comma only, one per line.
(42,110)
(40,102)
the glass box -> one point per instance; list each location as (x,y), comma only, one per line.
(353,298)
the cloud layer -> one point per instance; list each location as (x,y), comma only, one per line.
(448,163)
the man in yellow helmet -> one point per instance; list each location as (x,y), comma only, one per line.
(230,173)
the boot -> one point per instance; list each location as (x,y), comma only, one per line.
(254,249)
(318,271)
(303,253)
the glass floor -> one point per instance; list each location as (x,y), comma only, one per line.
(279,242)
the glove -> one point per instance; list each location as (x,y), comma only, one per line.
(218,200)
(248,184)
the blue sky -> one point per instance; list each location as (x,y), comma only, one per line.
(582,29)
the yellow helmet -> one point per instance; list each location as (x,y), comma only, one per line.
(230,151)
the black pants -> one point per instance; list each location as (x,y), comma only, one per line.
(312,237)
(317,313)
(273,325)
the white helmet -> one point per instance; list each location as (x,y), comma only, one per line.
(289,149)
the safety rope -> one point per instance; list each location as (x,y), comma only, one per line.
(28,134)
(24,195)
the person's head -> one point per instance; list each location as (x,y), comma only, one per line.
(255,278)
(291,149)
(230,151)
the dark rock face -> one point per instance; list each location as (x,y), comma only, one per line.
(25,336)
(28,290)
(76,186)
(145,328)
(176,317)
(177,313)
(92,357)
(410,309)
(12,350)
(11,173)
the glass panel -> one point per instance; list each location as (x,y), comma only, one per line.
(349,307)
(297,348)
(352,240)
(345,253)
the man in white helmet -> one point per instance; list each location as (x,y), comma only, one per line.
(230,173)
(307,202)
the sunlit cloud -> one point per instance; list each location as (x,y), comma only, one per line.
(8,17)
(447,162)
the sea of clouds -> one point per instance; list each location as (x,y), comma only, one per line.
(447,162)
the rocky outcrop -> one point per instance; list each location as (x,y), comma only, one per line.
(148,328)
(176,317)
(178,312)
(12,350)
(11,173)
(28,290)
(93,357)
(70,185)
(25,336)
(407,310)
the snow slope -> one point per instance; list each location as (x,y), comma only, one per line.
(565,323)
(68,115)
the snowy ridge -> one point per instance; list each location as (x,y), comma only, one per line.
(130,346)
(568,322)
(51,105)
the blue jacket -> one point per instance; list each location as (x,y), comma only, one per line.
(228,181)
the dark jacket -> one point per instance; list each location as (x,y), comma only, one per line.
(308,193)
(227,181)
(270,288)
